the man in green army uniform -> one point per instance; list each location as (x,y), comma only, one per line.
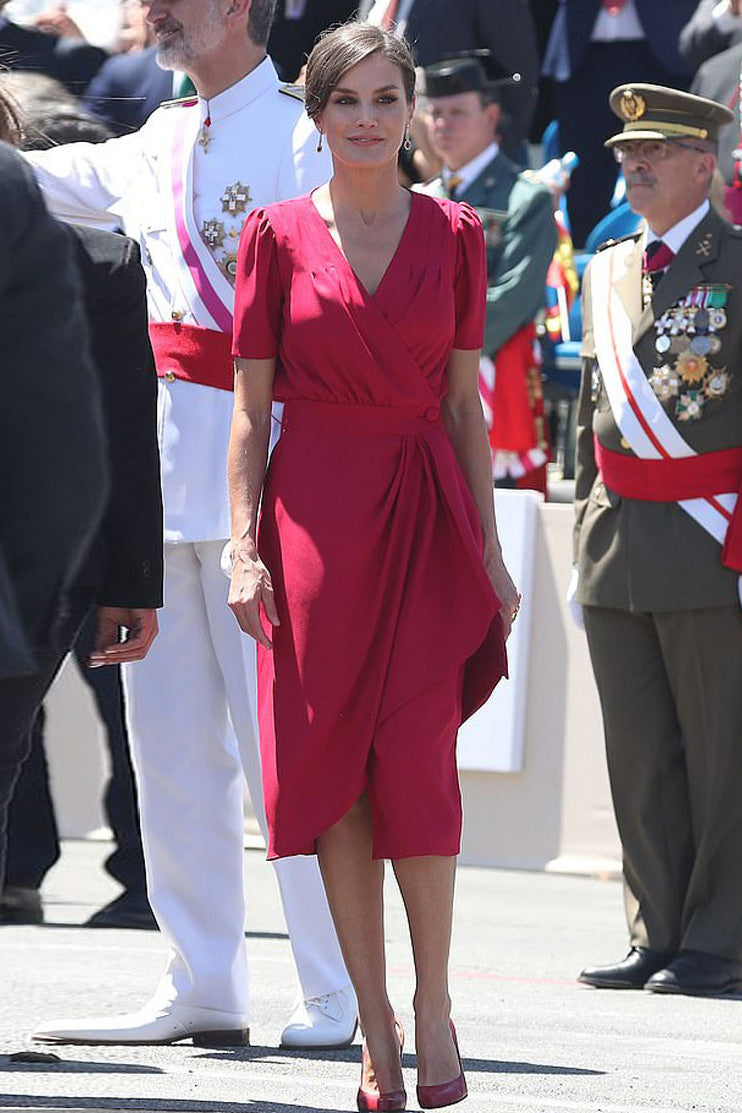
(658,545)
(465,113)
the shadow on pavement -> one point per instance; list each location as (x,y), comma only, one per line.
(353,1055)
(152,1105)
(75,1066)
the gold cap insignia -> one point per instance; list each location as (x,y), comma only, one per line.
(632,106)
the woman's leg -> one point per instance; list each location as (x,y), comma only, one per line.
(354,885)
(427,886)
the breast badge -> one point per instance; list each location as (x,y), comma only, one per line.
(689,332)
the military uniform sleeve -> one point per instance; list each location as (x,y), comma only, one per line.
(517,292)
(304,167)
(83,182)
(585,467)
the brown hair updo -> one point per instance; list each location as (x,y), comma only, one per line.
(338,50)
(11,128)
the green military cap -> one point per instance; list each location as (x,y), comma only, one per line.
(656,112)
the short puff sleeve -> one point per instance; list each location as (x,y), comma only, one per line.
(471,280)
(258,296)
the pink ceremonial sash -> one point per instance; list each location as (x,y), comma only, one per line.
(196,258)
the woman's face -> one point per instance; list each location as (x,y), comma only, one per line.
(366,115)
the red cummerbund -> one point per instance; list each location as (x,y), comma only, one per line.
(689,477)
(196,355)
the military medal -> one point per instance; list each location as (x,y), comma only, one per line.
(228,266)
(235,198)
(690,367)
(213,233)
(690,405)
(664,383)
(662,343)
(717,385)
(204,138)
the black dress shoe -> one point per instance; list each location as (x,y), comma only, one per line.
(21,906)
(130,910)
(698,974)
(633,972)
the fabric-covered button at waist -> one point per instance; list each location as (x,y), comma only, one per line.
(304,413)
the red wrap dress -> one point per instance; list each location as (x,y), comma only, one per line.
(390,633)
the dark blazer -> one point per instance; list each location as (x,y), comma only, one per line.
(53,470)
(127,89)
(701,38)
(652,556)
(291,39)
(440,27)
(719,79)
(68,60)
(662,21)
(124,568)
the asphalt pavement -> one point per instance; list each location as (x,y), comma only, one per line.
(533,1040)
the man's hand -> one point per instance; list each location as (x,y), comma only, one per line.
(124,634)
(57,22)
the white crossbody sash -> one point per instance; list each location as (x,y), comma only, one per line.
(637,411)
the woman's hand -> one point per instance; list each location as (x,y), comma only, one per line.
(251,587)
(504,587)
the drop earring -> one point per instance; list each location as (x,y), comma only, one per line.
(407,140)
(319,143)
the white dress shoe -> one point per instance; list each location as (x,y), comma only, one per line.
(152,1024)
(322,1022)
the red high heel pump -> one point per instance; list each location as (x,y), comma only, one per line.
(371,1100)
(444,1093)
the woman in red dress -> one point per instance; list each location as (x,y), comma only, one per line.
(376,588)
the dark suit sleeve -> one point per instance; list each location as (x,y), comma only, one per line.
(586,470)
(52,450)
(518,290)
(130,539)
(701,37)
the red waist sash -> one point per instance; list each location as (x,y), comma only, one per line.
(690,477)
(670,480)
(195,355)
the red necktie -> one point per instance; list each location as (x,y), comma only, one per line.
(389,16)
(657,257)
(613,7)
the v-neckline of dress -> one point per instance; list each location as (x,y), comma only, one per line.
(411,217)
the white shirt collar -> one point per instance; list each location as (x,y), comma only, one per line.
(676,236)
(470,170)
(247,89)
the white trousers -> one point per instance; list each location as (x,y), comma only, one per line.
(191,707)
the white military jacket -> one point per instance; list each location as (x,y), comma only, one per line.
(181,187)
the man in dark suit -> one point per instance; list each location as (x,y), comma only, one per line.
(439,29)
(594,46)
(295,28)
(127,89)
(52,453)
(70,60)
(658,544)
(122,568)
(712,28)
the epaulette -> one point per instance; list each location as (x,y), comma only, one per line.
(183,102)
(296,92)
(621,239)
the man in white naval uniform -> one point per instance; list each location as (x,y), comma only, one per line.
(181,186)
